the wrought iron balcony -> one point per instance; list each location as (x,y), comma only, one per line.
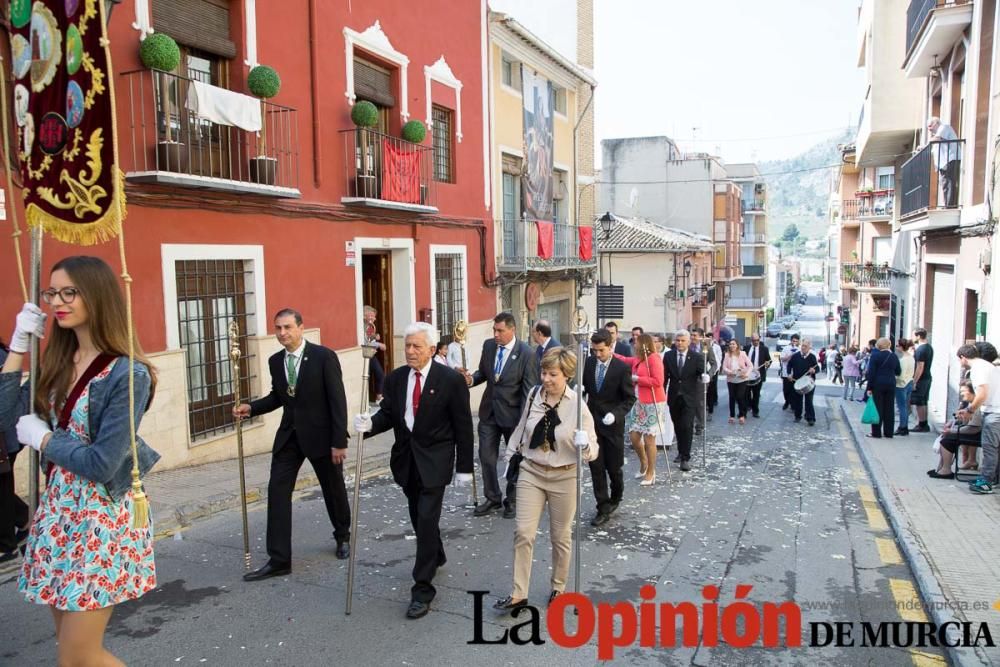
(171,140)
(754,205)
(703,296)
(753,238)
(868,276)
(746,302)
(754,270)
(932,178)
(521,251)
(383,171)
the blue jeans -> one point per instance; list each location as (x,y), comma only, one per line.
(903,404)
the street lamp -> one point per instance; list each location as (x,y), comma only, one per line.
(687,275)
(607,223)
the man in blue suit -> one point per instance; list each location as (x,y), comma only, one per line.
(541,334)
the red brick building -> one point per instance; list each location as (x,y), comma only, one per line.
(308,213)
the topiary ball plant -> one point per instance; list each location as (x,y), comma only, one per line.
(364,114)
(159,51)
(263,81)
(415,131)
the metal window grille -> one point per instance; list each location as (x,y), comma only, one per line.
(210,295)
(449,278)
(443,163)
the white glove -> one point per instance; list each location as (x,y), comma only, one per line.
(362,423)
(581,439)
(608,420)
(463,478)
(31,430)
(705,378)
(30,322)
(635,378)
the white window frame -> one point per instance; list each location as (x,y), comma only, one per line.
(441,72)
(436,250)
(171,253)
(376,42)
(516,85)
(556,91)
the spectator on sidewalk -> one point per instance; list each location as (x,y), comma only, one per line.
(838,367)
(923,357)
(831,362)
(948,442)
(904,384)
(852,373)
(983,376)
(883,369)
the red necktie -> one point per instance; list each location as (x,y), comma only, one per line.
(416,394)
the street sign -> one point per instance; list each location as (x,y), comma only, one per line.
(610,302)
(829,318)
(841,330)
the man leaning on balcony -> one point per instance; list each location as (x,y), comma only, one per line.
(947,160)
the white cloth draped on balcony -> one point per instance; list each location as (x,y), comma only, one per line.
(224,107)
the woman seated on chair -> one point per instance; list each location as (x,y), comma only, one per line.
(949,440)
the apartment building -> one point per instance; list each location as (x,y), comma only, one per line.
(545,244)
(226,223)
(695,194)
(748,293)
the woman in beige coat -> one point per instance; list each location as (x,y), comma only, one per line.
(547,438)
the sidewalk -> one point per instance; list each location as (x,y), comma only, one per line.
(949,536)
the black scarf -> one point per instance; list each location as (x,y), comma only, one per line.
(545,429)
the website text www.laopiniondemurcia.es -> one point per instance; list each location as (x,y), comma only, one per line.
(740,624)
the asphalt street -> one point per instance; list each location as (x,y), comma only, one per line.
(778,506)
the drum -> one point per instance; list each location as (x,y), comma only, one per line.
(754,378)
(805,384)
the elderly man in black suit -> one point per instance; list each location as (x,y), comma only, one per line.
(427,406)
(510,369)
(684,370)
(541,334)
(760,358)
(307,383)
(607,382)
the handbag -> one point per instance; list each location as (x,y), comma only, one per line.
(870,415)
(514,464)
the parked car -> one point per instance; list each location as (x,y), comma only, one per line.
(785,339)
(774,328)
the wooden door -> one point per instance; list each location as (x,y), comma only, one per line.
(376,290)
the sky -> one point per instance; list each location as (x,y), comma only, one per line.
(748,81)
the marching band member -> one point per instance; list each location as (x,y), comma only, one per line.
(787,383)
(803,363)
(736,367)
(760,358)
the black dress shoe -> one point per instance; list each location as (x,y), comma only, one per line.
(22,535)
(507,605)
(613,507)
(509,511)
(811,422)
(785,406)
(343,550)
(600,519)
(798,419)
(921,428)
(757,415)
(486,507)
(901,431)
(553,595)
(267,571)
(417,609)
(9,556)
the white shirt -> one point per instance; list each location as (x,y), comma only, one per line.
(597,368)
(297,354)
(455,355)
(506,354)
(982,373)
(411,382)
(945,153)
(441,360)
(754,355)
(786,356)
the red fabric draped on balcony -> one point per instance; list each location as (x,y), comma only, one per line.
(545,239)
(586,243)
(400,174)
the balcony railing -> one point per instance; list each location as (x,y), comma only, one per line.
(931,178)
(753,270)
(849,209)
(171,140)
(703,296)
(868,275)
(754,205)
(387,172)
(747,302)
(917,15)
(753,238)
(520,247)
(875,203)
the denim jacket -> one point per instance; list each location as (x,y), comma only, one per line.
(9,434)
(107,459)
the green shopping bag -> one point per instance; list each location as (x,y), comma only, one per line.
(870,415)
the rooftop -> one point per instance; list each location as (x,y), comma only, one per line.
(637,234)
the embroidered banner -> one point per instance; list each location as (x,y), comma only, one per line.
(586,243)
(538,102)
(65,123)
(545,239)
(400,174)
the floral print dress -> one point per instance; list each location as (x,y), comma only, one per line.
(83,553)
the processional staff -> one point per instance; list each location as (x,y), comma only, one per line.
(459,333)
(236,377)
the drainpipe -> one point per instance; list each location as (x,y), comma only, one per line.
(314,93)
(576,179)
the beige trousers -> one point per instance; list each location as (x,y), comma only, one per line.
(536,486)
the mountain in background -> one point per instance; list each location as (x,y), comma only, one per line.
(798,188)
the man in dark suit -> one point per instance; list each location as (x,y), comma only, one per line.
(509,369)
(684,369)
(621,347)
(541,334)
(760,358)
(306,382)
(427,406)
(607,382)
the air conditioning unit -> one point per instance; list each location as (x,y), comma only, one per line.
(986,260)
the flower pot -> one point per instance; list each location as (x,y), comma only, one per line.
(172,156)
(264,170)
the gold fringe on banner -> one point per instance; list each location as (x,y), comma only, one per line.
(107,227)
